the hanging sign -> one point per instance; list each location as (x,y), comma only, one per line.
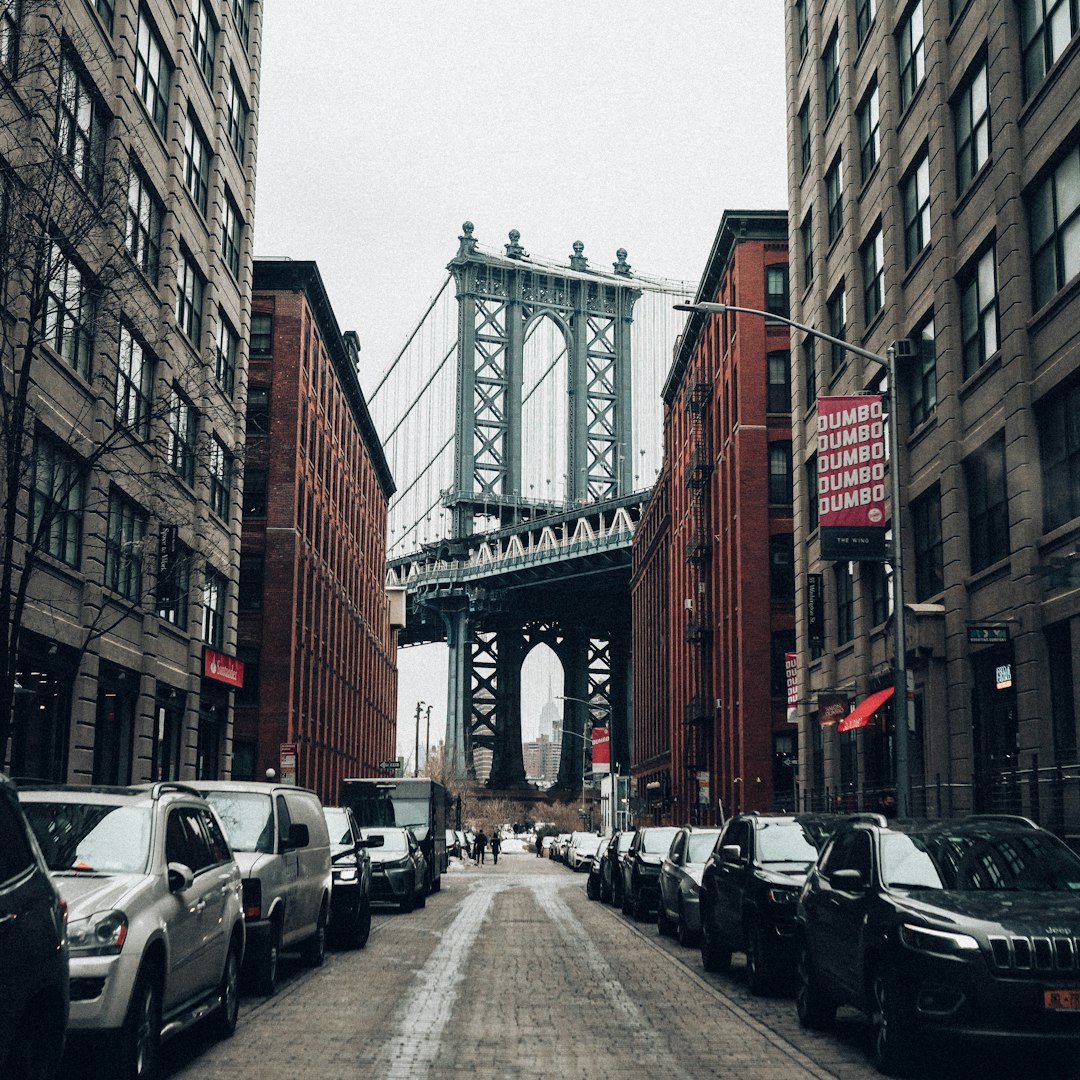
(791,668)
(832,708)
(287,756)
(815,608)
(601,751)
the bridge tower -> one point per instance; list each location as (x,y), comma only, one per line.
(500,298)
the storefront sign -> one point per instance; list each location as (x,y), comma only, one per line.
(601,751)
(832,708)
(1003,677)
(851,470)
(222,668)
(987,635)
(815,608)
(791,667)
(287,756)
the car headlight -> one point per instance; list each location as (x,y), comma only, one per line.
(783,897)
(397,864)
(943,942)
(103,934)
(347,873)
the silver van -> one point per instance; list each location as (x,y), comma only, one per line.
(280,840)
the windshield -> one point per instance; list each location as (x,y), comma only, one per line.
(248,817)
(91,837)
(700,846)
(337,821)
(979,861)
(625,840)
(412,812)
(657,841)
(394,839)
(785,842)
(588,845)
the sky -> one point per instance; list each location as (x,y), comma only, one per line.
(383,126)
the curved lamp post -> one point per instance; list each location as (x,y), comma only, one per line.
(900,690)
(585,740)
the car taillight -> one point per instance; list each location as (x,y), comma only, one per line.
(252,898)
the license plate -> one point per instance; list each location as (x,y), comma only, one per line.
(1062,1000)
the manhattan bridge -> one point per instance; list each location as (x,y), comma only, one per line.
(522,421)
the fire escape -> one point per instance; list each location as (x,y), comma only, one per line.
(699,711)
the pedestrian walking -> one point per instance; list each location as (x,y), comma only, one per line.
(539,846)
(496,846)
(479,847)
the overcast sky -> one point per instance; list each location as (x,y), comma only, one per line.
(383,126)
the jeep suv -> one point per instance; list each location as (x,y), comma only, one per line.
(749,889)
(155,924)
(964,929)
(641,869)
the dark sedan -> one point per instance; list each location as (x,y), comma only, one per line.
(641,870)
(680,883)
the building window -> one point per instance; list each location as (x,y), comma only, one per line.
(190,287)
(237,117)
(971,115)
(183,424)
(1059,444)
(864,17)
(809,359)
(258,411)
(249,597)
(56,508)
(153,72)
(242,18)
(876,579)
(173,578)
(912,57)
(10,21)
(988,505)
(215,592)
(926,532)
(104,9)
(220,478)
(830,63)
(802,27)
(134,384)
(1055,228)
(834,199)
(873,268)
(837,312)
(922,386)
(123,547)
(978,312)
(806,245)
(261,334)
(868,122)
(80,125)
(69,312)
(811,494)
(804,134)
(776,290)
(915,194)
(145,214)
(254,505)
(845,602)
(196,164)
(1046,27)
(780,473)
(778,391)
(232,228)
(203,38)
(782,568)
(1059,665)
(225,360)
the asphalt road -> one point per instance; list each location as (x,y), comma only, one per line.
(511,972)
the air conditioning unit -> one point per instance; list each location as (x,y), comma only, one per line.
(905,349)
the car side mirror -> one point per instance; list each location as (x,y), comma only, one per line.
(730,853)
(371,841)
(180,877)
(297,838)
(847,880)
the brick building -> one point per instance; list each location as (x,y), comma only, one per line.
(934,182)
(315,622)
(129,127)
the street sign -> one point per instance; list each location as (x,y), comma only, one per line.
(287,756)
(389,764)
(987,635)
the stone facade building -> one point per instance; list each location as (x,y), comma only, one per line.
(934,180)
(127,137)
(319,650)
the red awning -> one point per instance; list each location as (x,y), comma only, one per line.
(860,715)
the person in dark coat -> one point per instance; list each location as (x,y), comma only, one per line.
(479,847)
(496,846)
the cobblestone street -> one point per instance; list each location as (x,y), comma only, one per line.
(510,971)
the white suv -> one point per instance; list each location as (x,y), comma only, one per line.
(155,924)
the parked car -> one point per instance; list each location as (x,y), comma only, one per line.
(680,883)
(453,845)
(548,845)
(562,842)
(350,894)
(592,886)
(155,920)
(281,842)
(33,951)
(398,869)
(749,888)
(611,872)
(580,850)
(641,869)
(957,929)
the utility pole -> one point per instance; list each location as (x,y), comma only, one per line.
(427,737)
(416,739)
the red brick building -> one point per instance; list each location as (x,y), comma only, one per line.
(314,627)
(726,608)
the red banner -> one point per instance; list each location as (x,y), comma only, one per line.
(222,668)
(791,668)
(601,751)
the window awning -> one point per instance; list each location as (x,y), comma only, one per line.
(860,716)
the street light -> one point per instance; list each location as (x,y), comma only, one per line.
(584,741)
(416,740)
(900,693)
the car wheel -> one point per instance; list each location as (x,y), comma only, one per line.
(592,887)
(361,925)
(759,965)
(436,885)
(408,901)
(605,892)
(421,898)
(687,938)
(663,923)
(892,1048)
(627,901)
(140,1037)
(266,965)
(229,992)
(814,1008)
(313,951)
(715,952)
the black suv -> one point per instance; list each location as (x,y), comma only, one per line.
(965,929)
(641,870)
(749,889)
